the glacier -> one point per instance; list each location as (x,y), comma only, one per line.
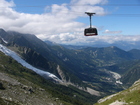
(42,73)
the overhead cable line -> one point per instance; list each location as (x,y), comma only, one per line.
(120,5)
(79,5)
(80,13)
(127,15)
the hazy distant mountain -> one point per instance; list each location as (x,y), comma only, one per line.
(125,45)
(135,53)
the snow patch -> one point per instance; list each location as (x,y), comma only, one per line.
(44,74)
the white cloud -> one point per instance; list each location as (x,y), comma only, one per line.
(95,40)
(59,20)
(88,2)
(58,24)
(112,32)
(4,3)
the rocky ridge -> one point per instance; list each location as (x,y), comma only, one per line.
(24,93)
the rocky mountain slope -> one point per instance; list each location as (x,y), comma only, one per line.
(20,86)
(44,74)
(129,96)
(37,53)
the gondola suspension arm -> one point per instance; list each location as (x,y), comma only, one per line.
(90,31)
(90,14)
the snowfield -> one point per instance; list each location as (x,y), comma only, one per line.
(15,56)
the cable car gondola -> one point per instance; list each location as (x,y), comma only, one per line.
(90,31)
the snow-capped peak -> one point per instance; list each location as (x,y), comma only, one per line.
(15,56)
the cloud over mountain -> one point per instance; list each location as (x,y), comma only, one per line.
(112,32)
(60,18)
(59,22)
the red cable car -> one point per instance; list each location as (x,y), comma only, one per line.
(90,31)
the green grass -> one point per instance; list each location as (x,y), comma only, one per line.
(130,96)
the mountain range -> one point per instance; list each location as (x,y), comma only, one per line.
(126,44)
(94,72)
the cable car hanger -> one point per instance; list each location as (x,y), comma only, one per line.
(90,31)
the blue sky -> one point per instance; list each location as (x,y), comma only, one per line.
(63,21)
